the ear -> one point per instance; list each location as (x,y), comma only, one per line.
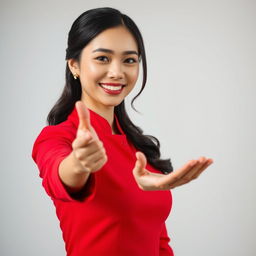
(74,67)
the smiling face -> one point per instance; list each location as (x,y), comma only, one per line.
(108,68)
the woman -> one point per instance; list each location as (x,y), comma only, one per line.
(110,188)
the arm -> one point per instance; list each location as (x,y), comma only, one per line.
(52,153)
(51,147)
(88,154)
(72,175)
(66,163)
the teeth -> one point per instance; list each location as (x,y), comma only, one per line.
(112,88)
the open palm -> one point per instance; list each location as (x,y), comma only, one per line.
(147,180)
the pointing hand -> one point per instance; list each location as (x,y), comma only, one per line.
(87,147)
(155,181)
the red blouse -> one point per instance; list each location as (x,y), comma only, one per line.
(112,216)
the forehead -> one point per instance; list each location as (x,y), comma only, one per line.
(118,39)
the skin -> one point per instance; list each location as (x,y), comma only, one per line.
(101,67)
(88,153)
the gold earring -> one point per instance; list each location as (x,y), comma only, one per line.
(75,75)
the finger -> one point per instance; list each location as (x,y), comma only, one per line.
(90,148)
(173,177)
(187,177)
(197,169)
(83,139)
(96,166)
(140,164)
(178,174)
(200,167)
(99,164)
(83,115)
(82,154)
(94,157)
(200,162)
(203,168)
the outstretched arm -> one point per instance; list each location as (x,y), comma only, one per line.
(88,154)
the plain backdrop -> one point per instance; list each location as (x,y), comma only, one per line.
(199,100)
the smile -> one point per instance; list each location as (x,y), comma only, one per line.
(112,88)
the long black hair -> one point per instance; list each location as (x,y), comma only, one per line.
(86,27)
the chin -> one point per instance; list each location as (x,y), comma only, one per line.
(112,102)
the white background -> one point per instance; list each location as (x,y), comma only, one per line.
(199,100)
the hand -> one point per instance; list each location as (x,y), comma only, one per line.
(154,181)
(87,148)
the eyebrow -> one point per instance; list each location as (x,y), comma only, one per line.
(111,51)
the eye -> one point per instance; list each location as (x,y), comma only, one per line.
(131,60)
(102,58)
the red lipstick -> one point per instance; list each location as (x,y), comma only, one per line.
(113,84)
(111,88)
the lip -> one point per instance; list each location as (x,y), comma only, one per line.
(112,92)
(113,84)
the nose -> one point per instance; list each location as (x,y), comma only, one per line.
(115,71)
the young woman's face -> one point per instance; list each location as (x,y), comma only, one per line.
(108,68)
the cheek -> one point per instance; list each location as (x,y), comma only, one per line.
(92,72)
(134,74)
(133,77)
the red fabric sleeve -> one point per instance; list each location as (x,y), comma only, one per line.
(50,148)
(165,249)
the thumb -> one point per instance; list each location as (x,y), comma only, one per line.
(83,115)
(140,164)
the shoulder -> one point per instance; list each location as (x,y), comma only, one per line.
(64,132)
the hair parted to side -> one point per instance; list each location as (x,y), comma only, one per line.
(86,27)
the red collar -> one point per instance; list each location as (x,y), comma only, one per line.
(97,121)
